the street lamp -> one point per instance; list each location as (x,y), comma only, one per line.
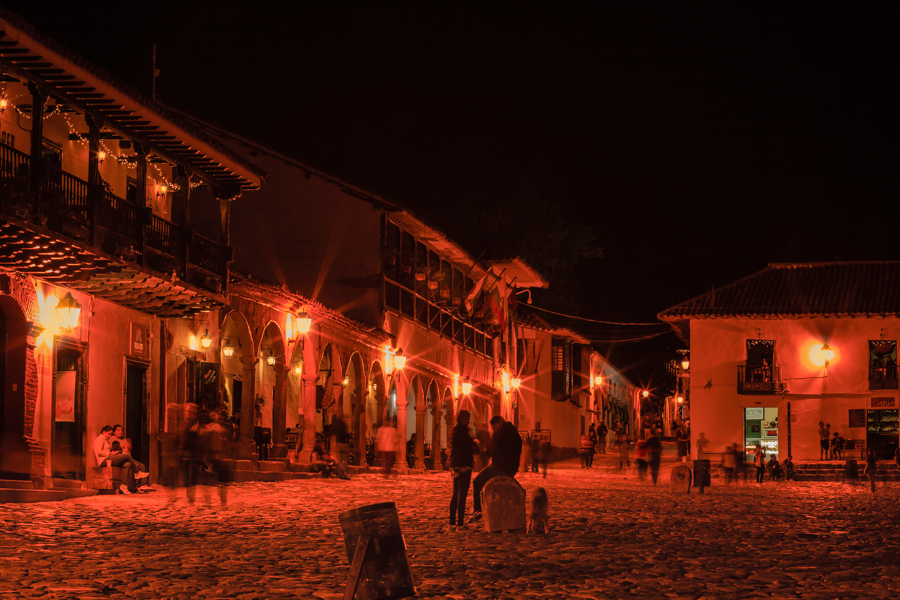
(466,387)
(228,349)
(645,394)
(685,363)
(399,360)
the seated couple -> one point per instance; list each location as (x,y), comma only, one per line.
(111,448)
(325,463)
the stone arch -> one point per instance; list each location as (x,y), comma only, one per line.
(269,411)
(329,390)
(239,374)
(376,402)
(354,406)
(431,424)
(17,369)
(412,423)
(446,418)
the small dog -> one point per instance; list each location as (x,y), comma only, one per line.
(539,518)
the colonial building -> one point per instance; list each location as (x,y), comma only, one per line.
(97,253)
(779,351)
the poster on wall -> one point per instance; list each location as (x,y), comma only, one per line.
(754,414)
(208,384)
(140,341)
(65,397)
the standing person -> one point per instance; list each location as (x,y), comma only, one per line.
(535,451)
(824,434)
(654,445)
(837,444)
(586,449)
(645,427)
(658,427)
(386,443)
(759,460)
(788,467)
(592,436)
(462,459)
(527,458)
(602,433)
(544,452)
(682,438)
(506,449)
(871,467)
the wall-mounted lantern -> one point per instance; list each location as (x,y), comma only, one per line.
(685,363)
(68,310)
(228,349)
(399,360)
(466,387)
(645,394)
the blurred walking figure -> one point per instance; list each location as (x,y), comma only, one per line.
(386,443)
(592,436)
(602,433)
(641,457)
(624,457)
(682,438)
(871,467)
(587,448)
(787,466)
(654,445)
(759,460)
(340,446)
(210,447)
(729,465)
(535,452)
(544,451)
(462,459)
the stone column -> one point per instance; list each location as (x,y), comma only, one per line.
(247,446)
(437,415)
(308,402)
(279,449)
(401,464)
(420,437)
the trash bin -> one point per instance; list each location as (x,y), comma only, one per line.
(385,571)
(263,437)
(851,470)
(702,469)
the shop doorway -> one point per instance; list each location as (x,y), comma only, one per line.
(883,432)
(136,411)
(760,429)
(67,436)
(15,460)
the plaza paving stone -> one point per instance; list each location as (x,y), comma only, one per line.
(611,537)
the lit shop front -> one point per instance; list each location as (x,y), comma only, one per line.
(883,427)
(760,428)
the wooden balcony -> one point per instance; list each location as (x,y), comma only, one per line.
(883,378)
(121,236)
(759,379)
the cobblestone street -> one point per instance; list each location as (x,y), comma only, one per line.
(611,537)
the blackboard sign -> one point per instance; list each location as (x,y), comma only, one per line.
(857,417)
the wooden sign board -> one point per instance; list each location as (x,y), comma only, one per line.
(140,341)
(889,402)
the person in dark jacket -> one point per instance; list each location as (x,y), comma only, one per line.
(462,458)
(506,450)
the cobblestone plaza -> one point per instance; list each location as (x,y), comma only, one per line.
(611,537)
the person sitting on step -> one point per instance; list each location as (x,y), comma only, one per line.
(104,457)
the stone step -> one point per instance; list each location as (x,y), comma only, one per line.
(16,484)
(8,495)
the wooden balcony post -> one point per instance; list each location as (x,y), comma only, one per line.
(37,146)
(141,184)
(225,238)
(95,189)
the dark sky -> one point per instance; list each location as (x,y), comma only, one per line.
(701,143)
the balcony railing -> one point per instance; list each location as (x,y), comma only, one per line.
(64,203)
(759,379)
(883,378)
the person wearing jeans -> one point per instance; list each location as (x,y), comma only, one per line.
(462,458)
(102,451)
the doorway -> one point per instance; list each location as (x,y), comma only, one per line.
(136,411)
(67,459)
(883,432)
(15,460)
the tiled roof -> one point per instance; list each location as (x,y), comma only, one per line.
(532,321)
(832,289)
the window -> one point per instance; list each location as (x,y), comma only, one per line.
(561,369)
(8,139)
(882,364)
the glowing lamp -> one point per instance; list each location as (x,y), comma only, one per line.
(101,156)
(466,387)
(515,382)
(645,394)
(298,369)
(827,354)
(504,378)
(345,382)
(456,386)
(303,323)
(68,310)
(399,360)
(228,349)
(205,340)
(270,360)
(3,104)
(163,190)
(685,364)
(680,399)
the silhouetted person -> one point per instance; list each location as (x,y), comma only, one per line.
(506,449)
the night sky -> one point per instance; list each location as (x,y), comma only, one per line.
(701,143)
